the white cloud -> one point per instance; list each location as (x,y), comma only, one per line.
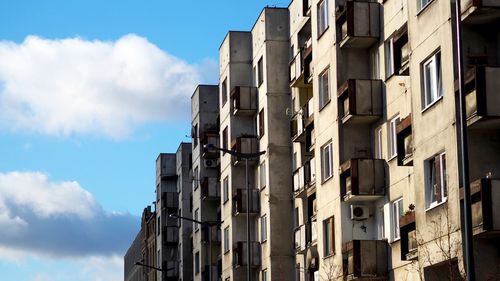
(75,86)
(39,217)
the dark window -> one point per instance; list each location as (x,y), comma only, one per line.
(261,123)
(223,91)
(224,139)
(260,68)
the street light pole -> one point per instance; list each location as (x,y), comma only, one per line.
(245,156)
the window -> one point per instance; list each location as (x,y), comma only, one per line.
(195,135)
(296,218)
(294,161)
(389,58)
(158,260)
(322,17)
(226,239)
(381,224)
(262,175)
(328,232)
(393,148)
(225,190)
(255,77)
(260,74)
(396,214)
(374,63)
(197,262)
(263,229)
(261,123)
(436,186)
(324,94)
(423,3)
(397,53)
(224,139)
(196,178)
(432,84)
(223,91)
(264,275)
(159,226)
(378,144)
(326,161)
(196,218)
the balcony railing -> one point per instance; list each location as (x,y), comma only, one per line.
(482,102)
(304,177)
(358,24)
(365,259)
(240,202)
(360,101)
(485,198)
(308,110)
(297,127)
(312,231)
(210,189)
(240,254)
(362,179)
(300,67)
(300,238)
(212,139)
(170,235)
(244,144)
(404,139)
(244,100)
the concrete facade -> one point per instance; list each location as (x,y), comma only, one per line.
(206,182)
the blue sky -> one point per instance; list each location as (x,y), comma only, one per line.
(90,93)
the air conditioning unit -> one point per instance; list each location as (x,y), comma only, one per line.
(359,212)
(210,163)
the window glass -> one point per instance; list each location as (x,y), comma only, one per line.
(397,212)
(324,94)
(322,17)
(437,190)
(393,148)
(223,91)
(263,228)
(326,161)
(432,84)
(225,189)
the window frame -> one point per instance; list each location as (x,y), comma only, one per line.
(328,147)
(392,144)
(262,125)
(379,153)
(197,263)
(226,240)
(432,80)
(196,177)
(262,175)
(224,139)
(324,94)
(260,71)
(397,209)
(196,216)
(329,237)
(263,228)
(430,169)
(223,91)
(322,17)
(225,190)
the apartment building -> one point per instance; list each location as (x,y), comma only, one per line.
(131,272)
(206,183)
(254,97)
(375,153)
(184,193)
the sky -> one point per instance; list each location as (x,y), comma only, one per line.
(91,92)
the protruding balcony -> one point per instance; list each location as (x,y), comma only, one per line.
(244,100)
(210,189)
(170,235)
(244,144)
(240,202)
(297,128)
(300,239)
(304,177)
(300,67)
(205,273)
(312,231)
(404,138)
(306,8)
(210,138)
(480,11)
(240,254)
(360,101)
(358,24)
(308,110)
(215,232)
(169,200)
(362,180)
(407,229)
(482,101)
(365,259)
(485,204)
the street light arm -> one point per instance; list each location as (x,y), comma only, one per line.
(235,153)
(152,267)
(207,223)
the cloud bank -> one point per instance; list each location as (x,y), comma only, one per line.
(58,220)
(81,87)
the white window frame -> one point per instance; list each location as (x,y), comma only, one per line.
(389,58)
(262,175)
(432,87)
(196,216)
(326,161)
(322,17)
(197,263)
(225,190)
(379,154)
(263,229)
(264,275)
(196,177)
(392,138)
(223,91)
(396,214)
(324,89)
(226,240)
(430,168)
(423,3)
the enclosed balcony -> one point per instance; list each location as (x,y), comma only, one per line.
(362,179)
(482,101)
(170,235)
(304,177)
(480,11)
(308,110)
(300,239)
(244,144)
(360,101)
(214,231)
(408,232)
(312,231)
(172,274)
(404,138)
(358,24)
(169,200)
(365,259)
(240,202)
(210,189)
(205,273)
(210,139)
(297,128)
(485,204)
(244,100)
(240,254)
